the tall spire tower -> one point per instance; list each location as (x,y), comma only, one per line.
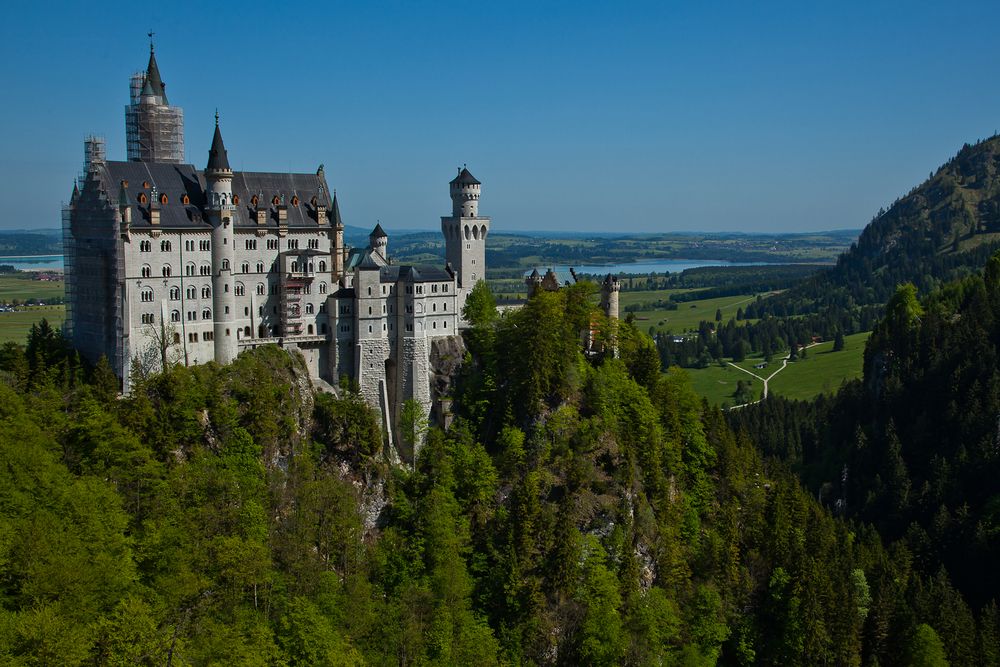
(220,212)
(154,130)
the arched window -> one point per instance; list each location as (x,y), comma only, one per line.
(166,270)
(206,314)
(189,269)
(175,293)
(322,288)
(146,271)
(147,294)
(239,289)
(205,270)
(260,267)
(145,246)
(310,309)
(322,266)
(245,267)
(309,329)
(295,267)
(369,291)
(225,265)
(191,292)
(246,332)
(261,289)
(165,245)
(175,316)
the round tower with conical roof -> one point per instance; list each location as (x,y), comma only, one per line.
(220,212)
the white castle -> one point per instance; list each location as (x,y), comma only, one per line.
(166,263)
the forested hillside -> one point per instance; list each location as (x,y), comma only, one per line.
(582,510)
(943,229)
(915,448)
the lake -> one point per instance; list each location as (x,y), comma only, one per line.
(642,268)
(34,262)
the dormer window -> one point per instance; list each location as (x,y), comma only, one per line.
(163,198)
(295,200)
(236,200)
(275,201)
(313,202)
(253,201)
(185,200)
(145,185)
(142,198)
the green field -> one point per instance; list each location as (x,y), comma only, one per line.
(20,286)
(717,384)
(688,315)
(823,370)
(15,326)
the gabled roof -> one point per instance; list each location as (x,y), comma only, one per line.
(217,157)
(465,177)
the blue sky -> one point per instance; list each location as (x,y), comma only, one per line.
(575,115)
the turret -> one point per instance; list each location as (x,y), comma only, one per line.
(609,296)
(534,282)
(220,212)
(378,241)
(464,194)
(338,234)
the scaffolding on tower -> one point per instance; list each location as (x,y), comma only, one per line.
(153,132)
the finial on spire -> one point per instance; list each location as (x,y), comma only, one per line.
(150,35)
(217,117)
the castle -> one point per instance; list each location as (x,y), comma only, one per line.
(168,264)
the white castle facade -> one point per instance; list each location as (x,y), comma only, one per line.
(166,263)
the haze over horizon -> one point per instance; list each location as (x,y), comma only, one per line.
(576,117)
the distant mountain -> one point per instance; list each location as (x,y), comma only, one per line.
(943,229)
(38,242)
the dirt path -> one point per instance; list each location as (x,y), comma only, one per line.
(765,380)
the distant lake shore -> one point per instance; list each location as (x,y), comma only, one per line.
(643,268)
(34,262)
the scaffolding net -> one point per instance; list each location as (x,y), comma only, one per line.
(154,132)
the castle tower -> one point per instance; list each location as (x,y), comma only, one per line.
(154,130)
(220,212)
(609,296)
(378,241)
(465,232)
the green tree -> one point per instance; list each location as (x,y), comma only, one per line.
(480,308)
(926,649)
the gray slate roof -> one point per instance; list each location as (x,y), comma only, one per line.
(465,177)
(217,157)
(176,180)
